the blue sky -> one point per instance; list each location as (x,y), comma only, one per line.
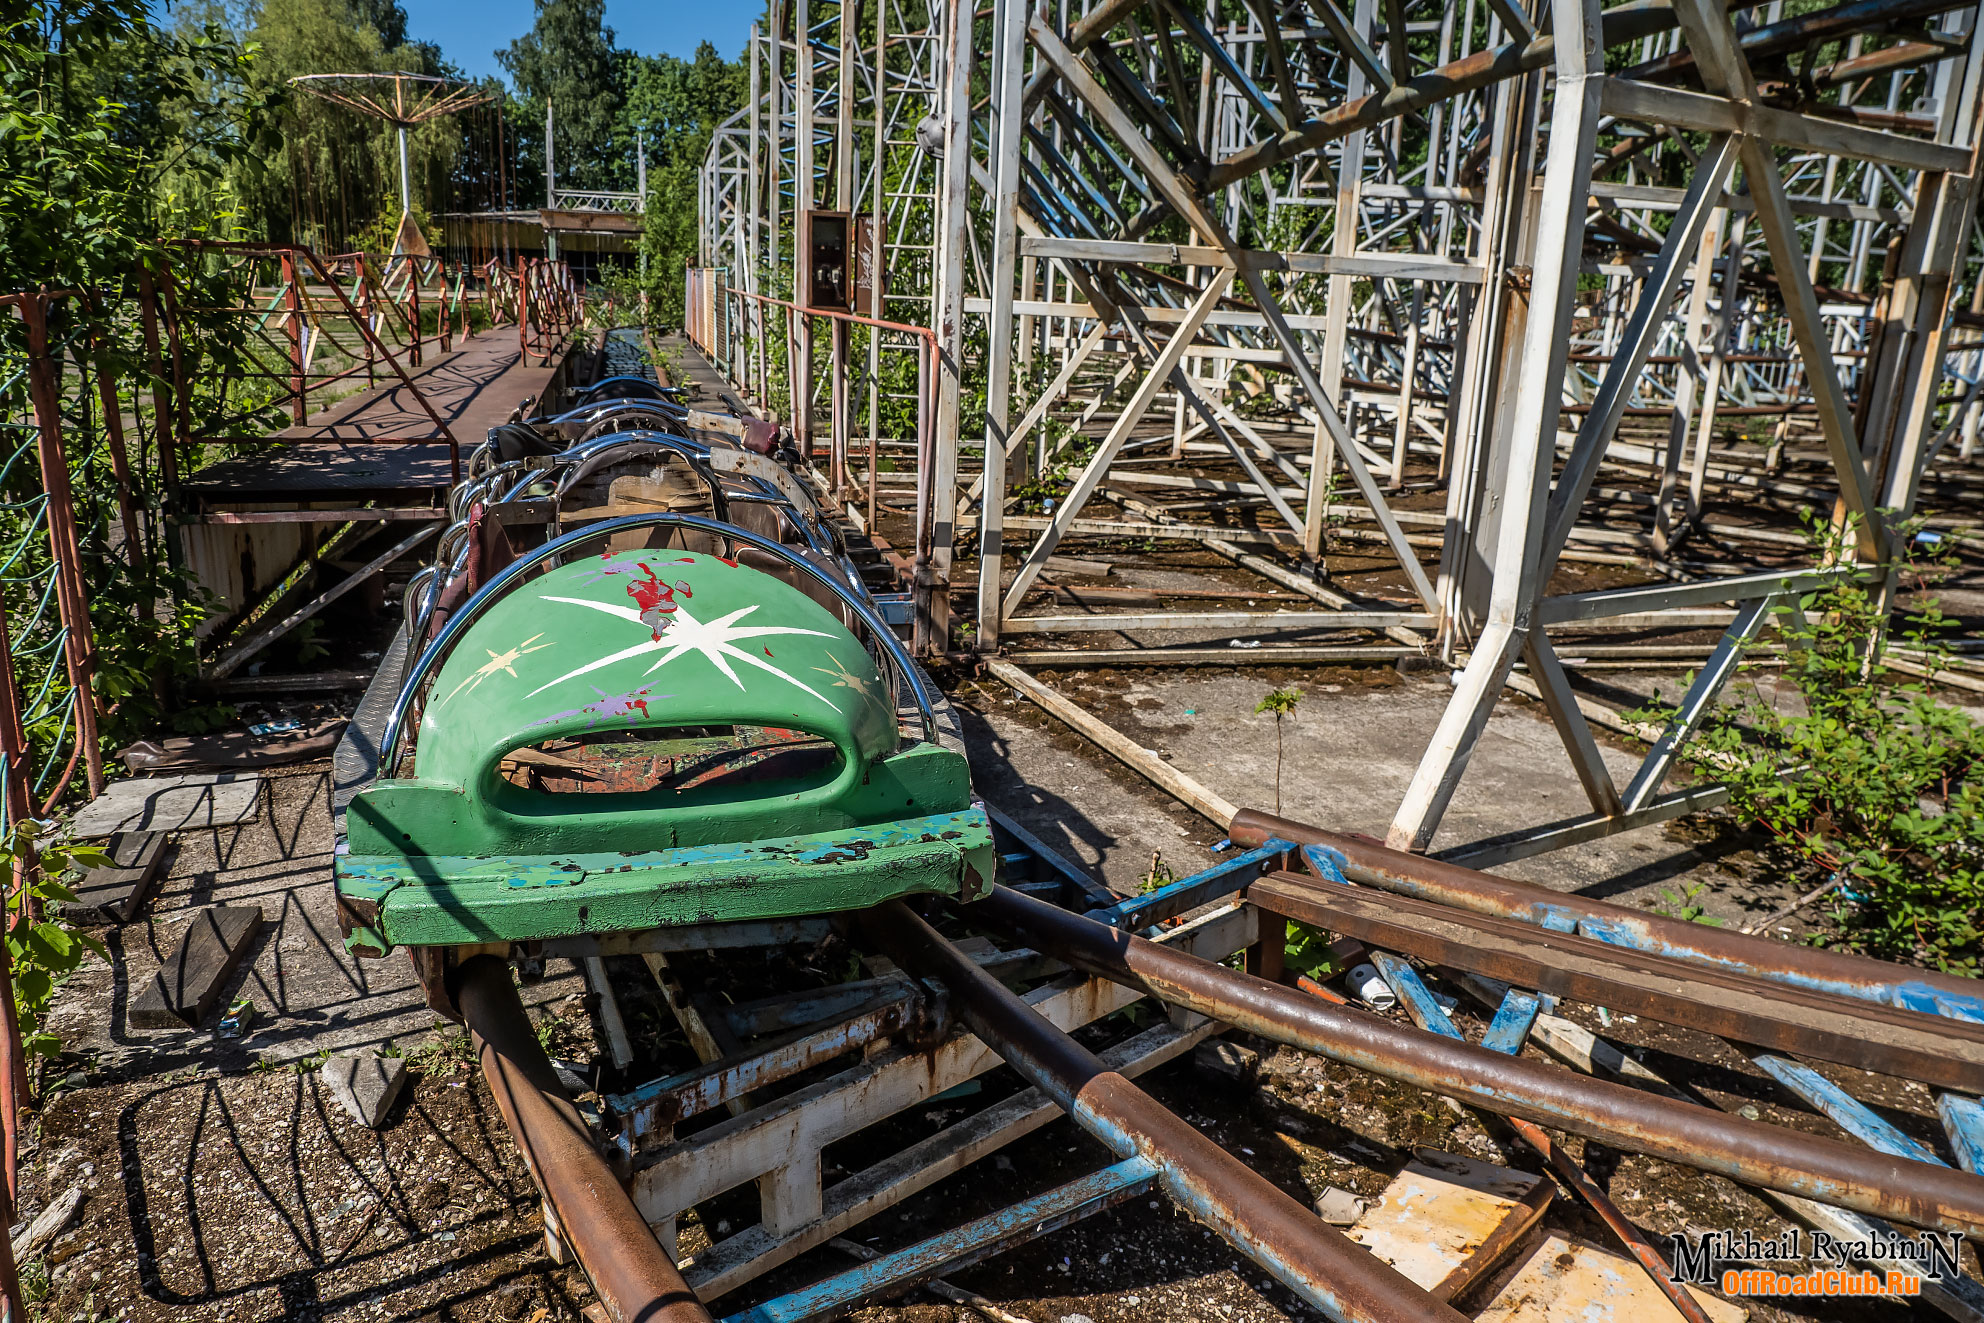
(469,32)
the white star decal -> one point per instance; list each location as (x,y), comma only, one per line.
(712,639)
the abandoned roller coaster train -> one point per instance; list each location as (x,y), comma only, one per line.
(681,721)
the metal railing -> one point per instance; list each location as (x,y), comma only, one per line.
(716,333)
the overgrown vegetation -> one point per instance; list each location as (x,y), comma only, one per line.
(42,951)
(1281,702)
(115,134)
(1870,782)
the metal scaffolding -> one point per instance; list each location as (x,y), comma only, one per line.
(1498,290)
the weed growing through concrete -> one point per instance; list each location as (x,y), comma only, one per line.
(1686,904)
(450,1053)
(1282,703)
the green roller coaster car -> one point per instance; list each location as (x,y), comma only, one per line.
(649,739)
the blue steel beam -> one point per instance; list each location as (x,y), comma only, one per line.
(1188,893)
(1514,1018)
(1963,1121)
(1004,823)
(1325,863)
(892,1274)
(1370,864)
(1848,1112)
(1415,996)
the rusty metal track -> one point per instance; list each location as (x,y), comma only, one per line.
(636,1280)
(1316,1261)
(1375,865)
(1748,1151)
(1947,1053)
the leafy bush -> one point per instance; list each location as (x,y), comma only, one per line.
(42,952)
(1870,782)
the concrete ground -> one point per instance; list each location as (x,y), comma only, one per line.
(309,995)
(1348,753)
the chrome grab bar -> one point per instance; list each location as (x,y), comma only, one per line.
(472,609)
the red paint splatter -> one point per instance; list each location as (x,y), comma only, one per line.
(728,561)
(682,586)
(768,652)
(655,599)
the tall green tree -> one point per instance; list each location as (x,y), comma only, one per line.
(568,60)
(677,104)
(335,171)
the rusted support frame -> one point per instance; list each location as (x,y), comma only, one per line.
(1804,32)
(19,806)
(1747,1151)
(78,646)
(234,660)
(649,1112)
(1319,1263)
(163,432)
(113,435)
(889,1275)
(292,297)
(635,1278)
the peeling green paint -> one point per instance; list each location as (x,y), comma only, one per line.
(449,900)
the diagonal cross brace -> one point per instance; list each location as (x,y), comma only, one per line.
(1179,193)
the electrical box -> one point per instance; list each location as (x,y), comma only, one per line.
(839,269)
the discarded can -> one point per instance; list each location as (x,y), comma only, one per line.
(1369,987)
(275,727)
(236,1020)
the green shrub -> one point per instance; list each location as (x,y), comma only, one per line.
(1874,785)
(42,952)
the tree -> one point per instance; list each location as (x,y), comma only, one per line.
(332,171)
(677,104)
(99,110)
(568,58)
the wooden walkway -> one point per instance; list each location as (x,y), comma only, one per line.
(375,445)
(472,388)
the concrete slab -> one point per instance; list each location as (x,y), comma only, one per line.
(309,995)
(170,804)
(1348,753)
(365,1084)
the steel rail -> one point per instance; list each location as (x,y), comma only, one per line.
(1316,1261)
(1809,968)
(445,638)
(1727,1003)
(635,1279)
(1751,1152)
